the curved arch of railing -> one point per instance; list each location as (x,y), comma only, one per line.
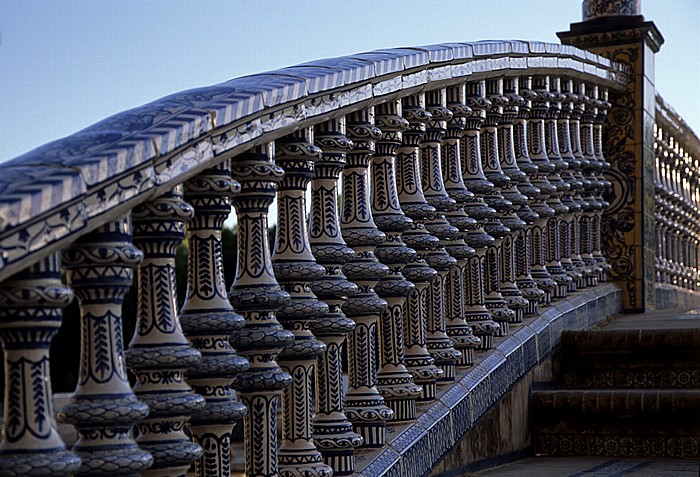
(450,271)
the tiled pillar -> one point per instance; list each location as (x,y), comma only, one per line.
(208,320)
(333,433)
(393,379)
(30,315)
(526,283)
(256,294)
(159,354)
(296,269)
(364,406)
(617,30)
(99,269)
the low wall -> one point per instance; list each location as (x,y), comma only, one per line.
(670,296)
(448,435)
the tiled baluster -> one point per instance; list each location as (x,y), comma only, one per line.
(538,155)
(577,165)
(393,379)
(515,218)
(99,269)
(523,246)
(208,320)
(495,302)
(592,271)
(415,206)
(332,432)
(477,315)
(603,184)
(30,315)
(256,294)
(364,406)
(566,224)
(433,154)
(295,269)
(551,139)
(159,354)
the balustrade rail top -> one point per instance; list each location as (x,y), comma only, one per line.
(67,187)
(667,117)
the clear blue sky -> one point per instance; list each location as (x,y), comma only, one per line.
(67,64)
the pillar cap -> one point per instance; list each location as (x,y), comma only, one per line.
(592,9)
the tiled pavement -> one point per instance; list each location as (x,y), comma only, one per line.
(593,467)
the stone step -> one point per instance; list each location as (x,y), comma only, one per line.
(631,359)
(617,422)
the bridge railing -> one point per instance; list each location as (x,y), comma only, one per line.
(471,184)
(677,200)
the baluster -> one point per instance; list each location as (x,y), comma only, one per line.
(30,315)
(495,302)
(159,354)
(515,217)
(393,379)
(416,207)
(538,154)
(551,139)
(208,320)
(477,315)
(588,115)
(581,183)
(566,224)
(295,270)
(257,296)
(526,283)
(103,408)
(364,406)
(333,433)
(603,184)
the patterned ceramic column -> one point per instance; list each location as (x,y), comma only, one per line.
(295,269)
(566,224)
(30,315)
(513,218)
(159,353)
(415,206)
(208,320)
(257,296)
(593,271)
(364,406)
(449,223)
(451,166)
(519,91)
(551,139)
(495,302)
(603,184)
(333,433)
(99,267)
(393,379)
(538,155)
(577,164)
(477,315)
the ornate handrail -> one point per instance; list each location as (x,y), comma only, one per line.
(485,202)
(59,191)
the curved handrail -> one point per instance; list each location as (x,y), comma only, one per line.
(67,187)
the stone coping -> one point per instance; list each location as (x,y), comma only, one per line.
(51,195)
(413,449)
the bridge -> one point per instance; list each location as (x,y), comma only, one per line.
(445,214)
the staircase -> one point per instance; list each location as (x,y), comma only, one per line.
(628,392)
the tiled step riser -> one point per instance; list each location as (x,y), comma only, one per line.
(647,445)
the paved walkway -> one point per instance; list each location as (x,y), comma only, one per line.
(593,467)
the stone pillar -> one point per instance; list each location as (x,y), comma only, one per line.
(364,405)
(617,30)
(159,354)
(30,315)
(393,379)
(256,294)
(295,269)
(208,320)
(333,433)
(103,408)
